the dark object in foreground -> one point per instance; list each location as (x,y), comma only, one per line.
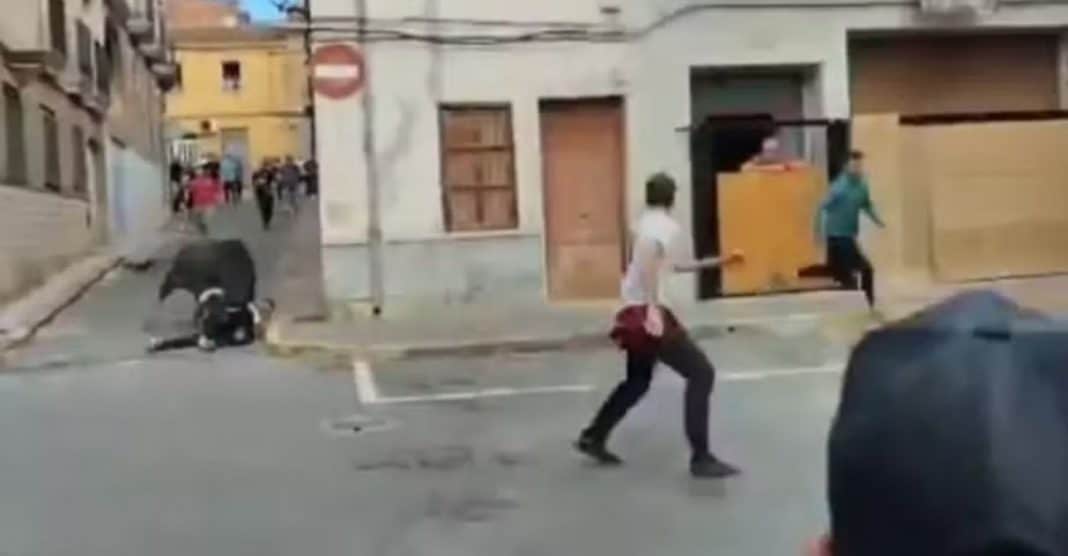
(222,277)
(951,437)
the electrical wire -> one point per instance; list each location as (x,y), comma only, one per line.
(545,36)
(563,32)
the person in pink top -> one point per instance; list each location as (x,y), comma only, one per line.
(205,193)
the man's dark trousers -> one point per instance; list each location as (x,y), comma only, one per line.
(846,260)
(684,356)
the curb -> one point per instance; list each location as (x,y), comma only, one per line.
(278,346)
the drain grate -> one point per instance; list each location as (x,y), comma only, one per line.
(356,424)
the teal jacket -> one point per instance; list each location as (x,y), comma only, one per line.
(230,168)
(839,213)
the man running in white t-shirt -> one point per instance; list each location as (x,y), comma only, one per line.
(650,333)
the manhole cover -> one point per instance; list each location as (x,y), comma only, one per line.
(356,424)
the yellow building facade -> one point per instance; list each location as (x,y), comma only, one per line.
(242,89)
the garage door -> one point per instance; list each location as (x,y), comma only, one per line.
(959,74)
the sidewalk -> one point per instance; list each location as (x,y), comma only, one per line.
(20,319)
(420,331)
(298,278)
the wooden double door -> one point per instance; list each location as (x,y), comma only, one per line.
(583,170)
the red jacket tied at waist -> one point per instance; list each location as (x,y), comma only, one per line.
(628,331)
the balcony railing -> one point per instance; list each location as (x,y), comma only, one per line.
(142,21)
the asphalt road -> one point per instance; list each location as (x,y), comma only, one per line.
(110,453)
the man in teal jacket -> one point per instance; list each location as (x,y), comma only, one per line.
(838,221)
(231,171)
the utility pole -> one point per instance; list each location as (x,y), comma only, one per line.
(303,11)
(374,217)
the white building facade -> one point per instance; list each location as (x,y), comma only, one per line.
(75,87)
(510,169)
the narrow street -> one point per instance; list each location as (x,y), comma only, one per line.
(483,184)
(109,452)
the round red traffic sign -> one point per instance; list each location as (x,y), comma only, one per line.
(338,71)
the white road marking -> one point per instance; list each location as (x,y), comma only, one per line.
(790,318)
(337,71)
(366,389)
(750,376)
(489,393)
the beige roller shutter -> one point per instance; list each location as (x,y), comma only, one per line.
(919,75)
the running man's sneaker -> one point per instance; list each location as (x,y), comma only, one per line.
(711,467)
(596,450)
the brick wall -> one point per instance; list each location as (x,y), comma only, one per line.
(40,233)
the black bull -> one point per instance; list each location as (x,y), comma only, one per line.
(208,265)
(222,277)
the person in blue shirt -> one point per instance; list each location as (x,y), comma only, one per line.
(838,222)
(231,170)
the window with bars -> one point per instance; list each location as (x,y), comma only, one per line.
(53,175)
(85,50)
(103,69)
(81,169)
(113,51)
(14,137)
(57,25)
(478,168)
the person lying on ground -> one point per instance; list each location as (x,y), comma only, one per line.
(219,324)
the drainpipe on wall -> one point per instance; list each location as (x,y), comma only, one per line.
(310,106)
(374,224)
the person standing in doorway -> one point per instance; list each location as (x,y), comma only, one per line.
(772,158)
(289,182)
(263,187)
(649,333)
(205,193)
(838,223)
(232,170)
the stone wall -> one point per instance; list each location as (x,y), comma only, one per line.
(40,233)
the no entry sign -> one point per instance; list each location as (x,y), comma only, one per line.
(338,71)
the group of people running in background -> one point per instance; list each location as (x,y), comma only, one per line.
(197,190)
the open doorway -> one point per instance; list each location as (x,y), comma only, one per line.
(733,110)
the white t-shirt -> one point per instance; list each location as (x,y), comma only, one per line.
(654,226)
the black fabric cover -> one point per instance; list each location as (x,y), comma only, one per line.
(951,437)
